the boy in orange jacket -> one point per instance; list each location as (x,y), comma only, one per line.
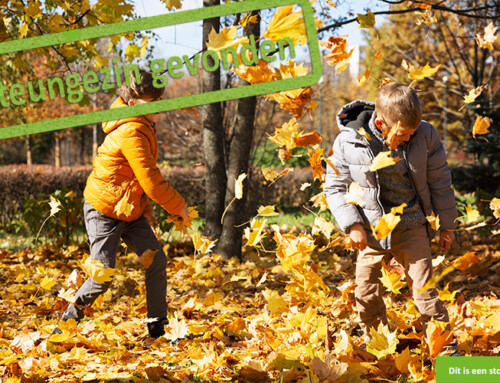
(125,175)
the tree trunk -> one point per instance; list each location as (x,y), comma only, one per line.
(239,155)
(57,161)
(29,160)
(213,141)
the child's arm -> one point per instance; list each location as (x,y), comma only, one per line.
(136,148)
(442,195)
(347,215)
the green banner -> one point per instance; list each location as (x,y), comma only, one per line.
(468,369)
(174,103)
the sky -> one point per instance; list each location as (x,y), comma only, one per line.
(186,38)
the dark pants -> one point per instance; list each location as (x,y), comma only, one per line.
(104,237)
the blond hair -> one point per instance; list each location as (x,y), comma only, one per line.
(398,102)
(139,87)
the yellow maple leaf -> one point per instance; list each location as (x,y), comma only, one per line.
(275,303)
(473,94)
(382,160)
(256,74)
(315,157)
(391,281)
(295,101)
(378,56)
(383,342)
(486,42)
(170,4)
(132,51)
(365,77)
(427,18)
(419,73)
(286,23)
(269,174)
(224,39)
(285,171)
(404,359)
(472,214)
(305,139)
(446,295)
(319,200)
(201,244)
(385,225)
(267,211)
(323,226)
(398,209)
(433,221)
(96,270)
(291,70)
(253,234)
(355,194)
(183,226)
(495,207)
(176,329)
(286,135)
(362,132)
(437,338)
(124,207)
(481,125)
(47,283)
(366,21)
(248,19)
(55,205)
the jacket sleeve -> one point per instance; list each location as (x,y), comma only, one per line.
(136,147)
(439,181)
(345,214)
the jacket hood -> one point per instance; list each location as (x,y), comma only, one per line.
(109,126)
(355,115)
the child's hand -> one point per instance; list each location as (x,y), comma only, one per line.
(446,238)
(358,236)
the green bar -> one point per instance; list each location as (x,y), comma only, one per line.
(176,103)
(468,369)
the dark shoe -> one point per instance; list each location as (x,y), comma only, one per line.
(56,331)
(157,328)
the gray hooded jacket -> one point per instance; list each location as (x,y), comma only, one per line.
(352,156)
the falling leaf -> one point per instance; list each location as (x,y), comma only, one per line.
(304,186)
(253,234)
(419,73)
(275,303)
(74,280)
(144,46)
(436,337)
(323,226)
(366,21)
(238,186)
(132,51)
(362,132)
(269,174)
(378,56)
(385,225)
(183,226)
(124,207)
(267,211)
(260,73)
(436,278)
(481,125)
(438,260)
(170,4)
(471,214)
(466,261)
(47,283)
(382,160)
(391,134)
(355,194)
(446,295)
(338,47)
(332,166)
(55,205)
(433,221)
(23,30)
(391,281)
(96,270)
(486,42)
(248,19)
(224,39)
(147,257)
(382,341)
(286,135)
(305,139)
(286,23)
(365,77)
(495,207)
(398,209)
(427,18)
(473,94)
(202,244)
(315,157)
(319,200)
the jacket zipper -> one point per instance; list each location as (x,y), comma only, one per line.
(410,176)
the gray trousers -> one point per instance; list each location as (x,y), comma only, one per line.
(104,237)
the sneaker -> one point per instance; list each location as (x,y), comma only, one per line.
(157,328)
(57,331)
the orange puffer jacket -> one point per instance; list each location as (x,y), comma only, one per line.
(125,172)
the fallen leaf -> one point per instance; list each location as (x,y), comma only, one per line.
(437,337)
(481,126)
(383,342)
(47,283)
(382,160)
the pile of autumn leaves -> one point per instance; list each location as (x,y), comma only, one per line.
(287,314)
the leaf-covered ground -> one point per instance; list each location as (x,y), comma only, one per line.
(269,318)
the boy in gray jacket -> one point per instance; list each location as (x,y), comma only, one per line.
(421,179)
